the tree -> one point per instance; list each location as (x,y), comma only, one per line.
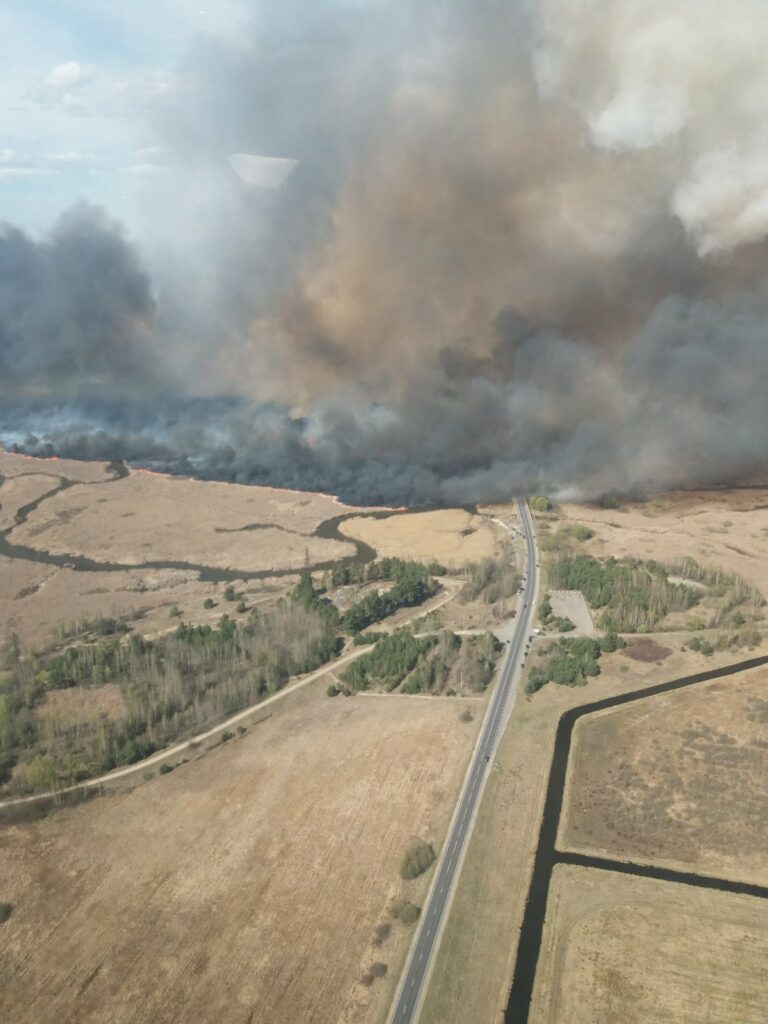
(418,858)
(540,503)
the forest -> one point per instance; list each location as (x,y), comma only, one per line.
(173,686)
(635,595)
(441,663)
(170,687)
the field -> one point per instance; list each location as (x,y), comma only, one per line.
(634,950)
(245,886)
(727,529)
(476,959)
(451,536)
(658,780)
(147,517)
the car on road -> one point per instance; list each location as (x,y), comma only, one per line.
(486,758)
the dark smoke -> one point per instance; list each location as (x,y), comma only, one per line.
(511,258)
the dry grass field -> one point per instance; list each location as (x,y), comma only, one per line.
(148,517)
(474,967)
(17,491)
(634,950)
(450,536)
(679,779)
(243,887)
(12,465)
(725,529)
(35,597)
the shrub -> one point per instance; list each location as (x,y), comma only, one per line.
(418,858)
(175,612)
(6,909)
(465,716)
(332,691)
(226,736)
(165,769)
(209,603)
(381,932)
(404,911)
(371,637)
(241,607)
(376,970)
(540,503)
(563,624)
(229,594)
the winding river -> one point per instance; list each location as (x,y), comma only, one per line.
(329,529)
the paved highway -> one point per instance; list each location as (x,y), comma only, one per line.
(412,987)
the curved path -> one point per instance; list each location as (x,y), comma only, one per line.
(547,854)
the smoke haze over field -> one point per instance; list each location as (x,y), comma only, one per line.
(523,247)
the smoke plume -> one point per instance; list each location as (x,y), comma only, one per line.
(522,247)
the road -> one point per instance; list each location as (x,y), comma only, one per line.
(412,987)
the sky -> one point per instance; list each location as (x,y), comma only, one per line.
(82,85)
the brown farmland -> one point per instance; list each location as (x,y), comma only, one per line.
(619,949)
(246,885)
(680,779)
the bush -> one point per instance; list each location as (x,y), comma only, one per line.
(226,736)
(209,603)
(332,691)
(702,646)
(419,857)
(491,580)
(611,641)
(165,769)
(465,716)
(381,932)
(540,503)
(562,624)
(376,970)
(371,637)
(229,594)
(404,911)
(581,532)
(175,612)
(6,909)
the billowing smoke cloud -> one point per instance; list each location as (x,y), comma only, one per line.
(75,308)
(522,247)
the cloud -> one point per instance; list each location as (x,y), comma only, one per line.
(68,75)
(71,157)
(11,173)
